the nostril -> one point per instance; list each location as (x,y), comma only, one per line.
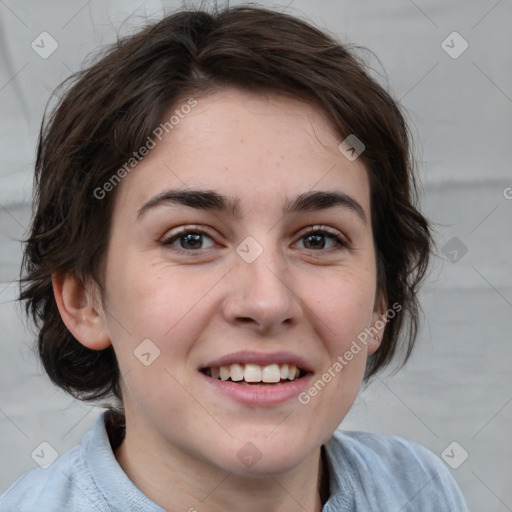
(245,319)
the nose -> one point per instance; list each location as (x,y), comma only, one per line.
(260,295)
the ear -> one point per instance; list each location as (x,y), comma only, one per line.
(378,323)
(80,310)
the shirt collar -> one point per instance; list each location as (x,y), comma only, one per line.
(119,491)
(122,494)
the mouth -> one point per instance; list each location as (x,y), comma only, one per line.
(257,379)
(250,374)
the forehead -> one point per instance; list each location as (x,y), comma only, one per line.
(259,148)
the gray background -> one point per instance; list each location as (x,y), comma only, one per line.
(457,387)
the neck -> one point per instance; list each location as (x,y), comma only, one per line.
(176,480)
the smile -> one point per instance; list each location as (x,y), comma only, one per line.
(250,374)
(258,379)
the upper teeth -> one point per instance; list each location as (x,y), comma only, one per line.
(255,372)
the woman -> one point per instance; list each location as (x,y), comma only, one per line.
(226,241)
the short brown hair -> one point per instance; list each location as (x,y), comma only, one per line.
(110,109)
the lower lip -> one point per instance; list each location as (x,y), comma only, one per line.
(259,395)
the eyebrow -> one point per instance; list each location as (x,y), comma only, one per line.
(212,201)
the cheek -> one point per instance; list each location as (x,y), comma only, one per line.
(156,301)
(341,310)
(160,304)
(345,304)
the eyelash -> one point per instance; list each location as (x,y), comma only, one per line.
(340,243)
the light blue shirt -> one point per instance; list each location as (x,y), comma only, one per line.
(367,473)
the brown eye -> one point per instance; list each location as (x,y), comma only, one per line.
(317,239)
(188,240)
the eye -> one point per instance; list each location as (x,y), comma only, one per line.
(316,239)
(188,240)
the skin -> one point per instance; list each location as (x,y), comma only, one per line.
(182,439)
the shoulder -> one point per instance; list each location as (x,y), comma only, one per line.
(87,478)
(392,470)
(387,451)
(64,485)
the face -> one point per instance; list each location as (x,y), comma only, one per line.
(241,242)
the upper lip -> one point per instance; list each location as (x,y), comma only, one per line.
(259,358)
